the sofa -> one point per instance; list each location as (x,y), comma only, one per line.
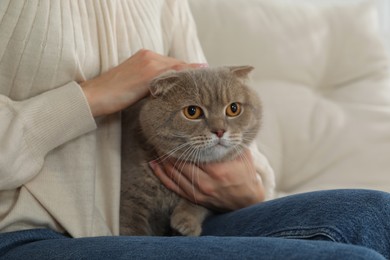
(322,73)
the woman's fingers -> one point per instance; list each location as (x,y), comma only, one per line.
(220,186)
(171,178)
(185,179)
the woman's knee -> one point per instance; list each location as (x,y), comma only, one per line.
(370,207)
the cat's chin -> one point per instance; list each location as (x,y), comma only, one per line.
(215,154)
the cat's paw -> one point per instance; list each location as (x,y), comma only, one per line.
(186,225)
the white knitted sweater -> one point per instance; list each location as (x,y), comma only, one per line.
(60,167)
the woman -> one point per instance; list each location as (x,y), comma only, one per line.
(67,69)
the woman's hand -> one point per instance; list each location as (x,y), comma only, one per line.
(223,186)
(128,82)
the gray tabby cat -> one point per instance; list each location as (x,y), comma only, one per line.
(199,116)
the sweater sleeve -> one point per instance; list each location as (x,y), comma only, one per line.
(185,44)
(31,128)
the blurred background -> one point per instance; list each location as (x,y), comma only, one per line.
(384,17)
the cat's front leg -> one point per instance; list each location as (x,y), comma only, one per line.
(187,218)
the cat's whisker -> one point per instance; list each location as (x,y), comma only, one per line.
(251,168)
(173,151)
(193,175)
(248,137)
(191,154)
(178,135)
(158,136)
(169,154)
(199,163)
(180,162)
(248,140)
(184,154)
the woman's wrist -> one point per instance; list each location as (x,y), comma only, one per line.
(91,98)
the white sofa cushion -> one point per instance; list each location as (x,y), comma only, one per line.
(322,73)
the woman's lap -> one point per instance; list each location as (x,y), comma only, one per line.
(56,246)
(256,232)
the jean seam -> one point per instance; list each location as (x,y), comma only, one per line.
(333,233)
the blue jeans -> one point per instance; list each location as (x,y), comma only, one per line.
(338,224)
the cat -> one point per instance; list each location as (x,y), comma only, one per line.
(196,115)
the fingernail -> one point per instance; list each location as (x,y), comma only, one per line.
(153,164)
(203,65)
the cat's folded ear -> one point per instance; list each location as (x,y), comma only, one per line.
(163,83)
(241,71)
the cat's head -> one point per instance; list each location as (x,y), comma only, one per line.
(201,115)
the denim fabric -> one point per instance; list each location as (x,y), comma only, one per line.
(359,217)
(339,224)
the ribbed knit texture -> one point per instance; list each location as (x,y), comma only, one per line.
(60,168)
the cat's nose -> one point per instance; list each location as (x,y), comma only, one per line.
(219,133)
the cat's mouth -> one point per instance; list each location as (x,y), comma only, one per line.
(222,143)
(214,150)
(219,144)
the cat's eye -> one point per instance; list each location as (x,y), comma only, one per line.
(234,109)
(192,112)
